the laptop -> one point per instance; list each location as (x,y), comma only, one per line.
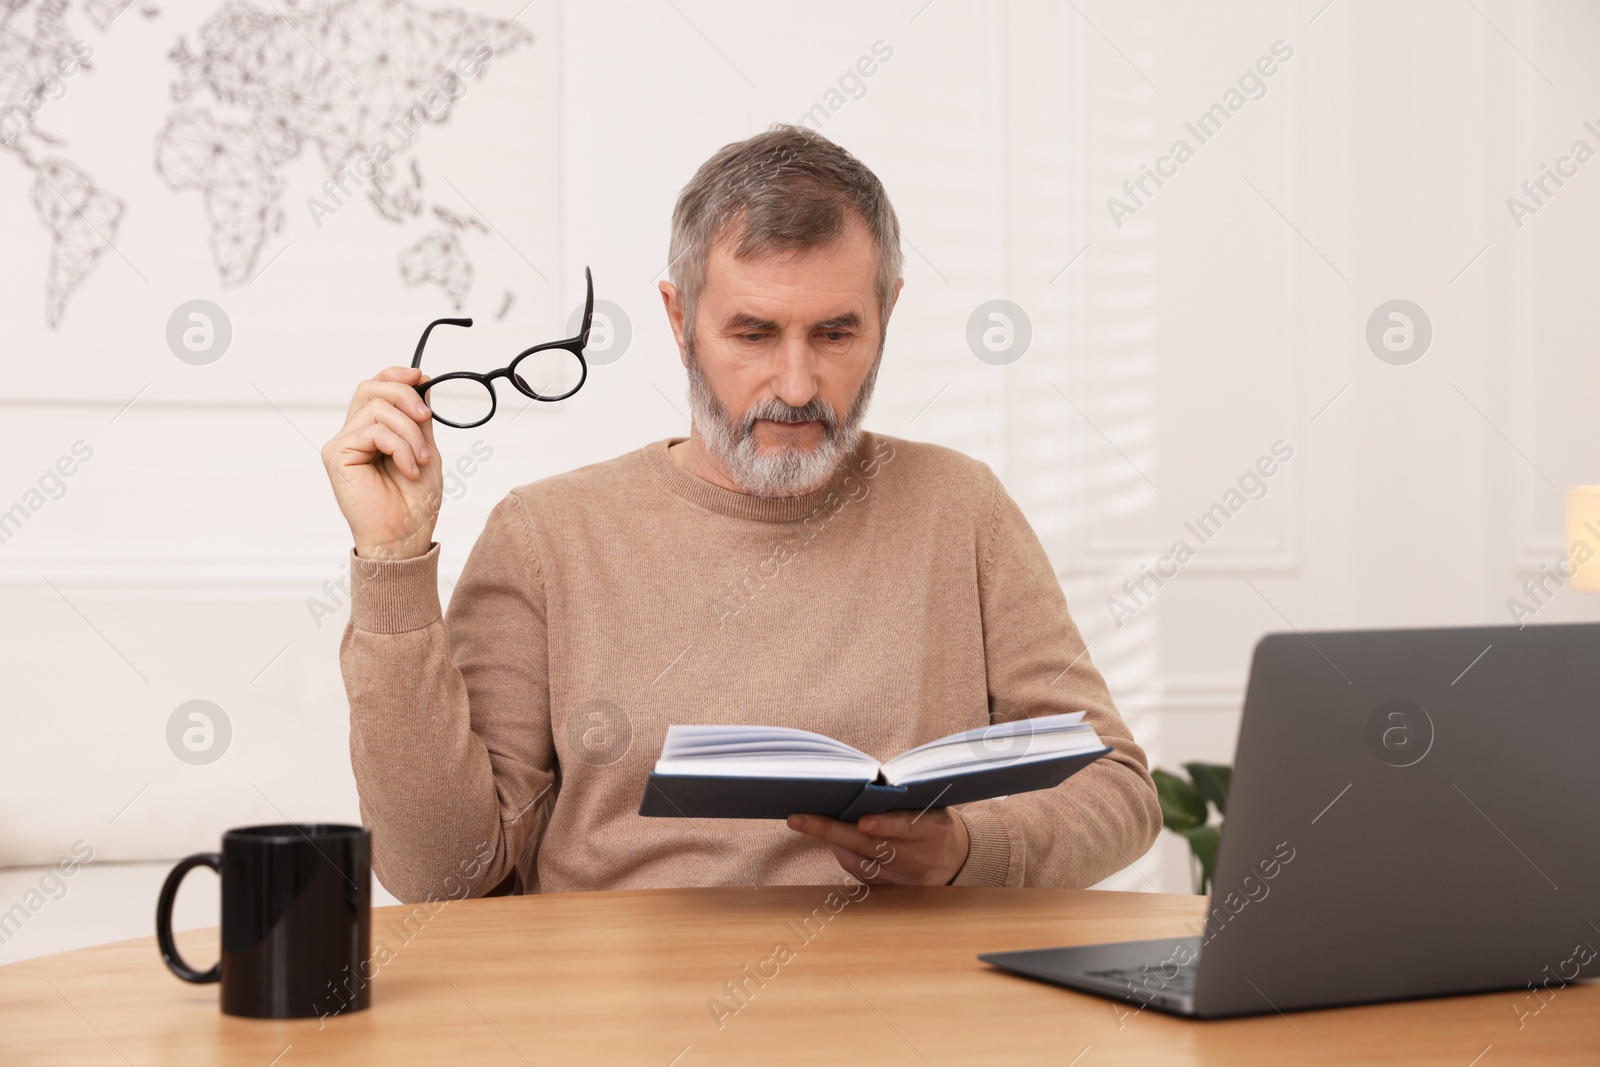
(1413,813)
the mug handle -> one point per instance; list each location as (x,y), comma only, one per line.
(169,893)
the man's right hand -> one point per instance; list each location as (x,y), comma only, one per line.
(383,468)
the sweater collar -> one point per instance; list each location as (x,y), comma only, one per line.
(697,490)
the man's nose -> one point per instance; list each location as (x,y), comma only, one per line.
(795,372)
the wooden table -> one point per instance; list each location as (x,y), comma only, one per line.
(633,977)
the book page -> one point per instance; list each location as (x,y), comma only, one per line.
(999,744)
(760,752)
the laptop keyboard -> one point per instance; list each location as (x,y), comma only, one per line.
(1155,977)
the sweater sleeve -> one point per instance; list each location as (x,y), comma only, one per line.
(450,719)
(1103,817)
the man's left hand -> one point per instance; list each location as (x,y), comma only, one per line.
(895,847)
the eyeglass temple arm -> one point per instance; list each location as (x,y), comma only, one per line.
(588,304)
(416,359)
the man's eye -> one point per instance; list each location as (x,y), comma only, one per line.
(835,335)
(753,338)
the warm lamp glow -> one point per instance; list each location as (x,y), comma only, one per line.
(1583,527)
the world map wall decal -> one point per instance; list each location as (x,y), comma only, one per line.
(260,87)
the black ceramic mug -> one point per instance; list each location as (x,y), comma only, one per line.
(296,919)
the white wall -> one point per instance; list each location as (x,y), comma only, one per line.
(1168,354)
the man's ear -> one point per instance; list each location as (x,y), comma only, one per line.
(894,298)
(674,306)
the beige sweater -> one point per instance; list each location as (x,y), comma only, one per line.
(504,746)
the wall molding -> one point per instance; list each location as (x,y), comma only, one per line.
(1281,553)
(291,578)
(1180,693)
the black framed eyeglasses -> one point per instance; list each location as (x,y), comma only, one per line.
(465,398)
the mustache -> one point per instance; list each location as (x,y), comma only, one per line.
(775,410)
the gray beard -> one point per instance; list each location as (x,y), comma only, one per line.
(789,471)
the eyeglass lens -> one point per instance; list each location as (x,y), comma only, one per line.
(460,401)
(549,373)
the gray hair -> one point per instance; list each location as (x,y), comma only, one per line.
(788,189)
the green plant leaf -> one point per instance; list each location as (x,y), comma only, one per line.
(1181,807)
(1203,840)
(1211,781)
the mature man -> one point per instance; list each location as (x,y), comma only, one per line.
(779,565)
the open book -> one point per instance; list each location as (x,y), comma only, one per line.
(771,772)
